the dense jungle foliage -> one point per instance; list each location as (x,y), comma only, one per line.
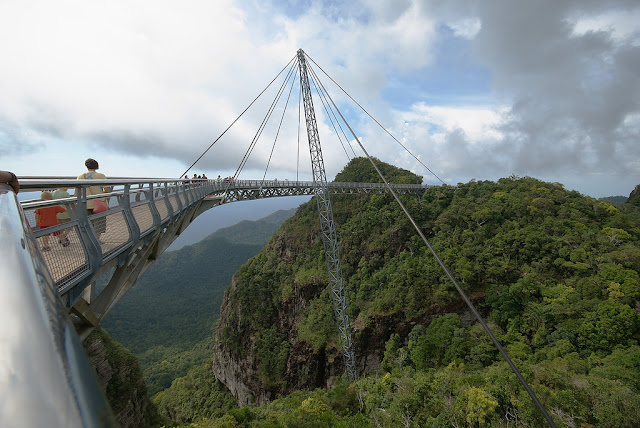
(167,319)
(120,377)
(555,273)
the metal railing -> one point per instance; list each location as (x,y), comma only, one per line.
(139,208)
(45,376)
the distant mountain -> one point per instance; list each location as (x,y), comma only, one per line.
(615,199)
(252,232)
(173,306)
(230,214)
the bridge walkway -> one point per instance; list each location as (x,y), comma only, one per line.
(145,216)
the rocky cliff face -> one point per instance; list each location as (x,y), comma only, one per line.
(297,364)
(276,332)
(121,379)
(634,196)
(305,368)
(237,366)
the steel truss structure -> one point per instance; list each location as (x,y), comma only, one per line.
(243,190)
(327,226)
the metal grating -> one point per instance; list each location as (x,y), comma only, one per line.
(143,216)
(116,234)
(65,264)
(161,206)
(174,203)
(182,196)
(30,216)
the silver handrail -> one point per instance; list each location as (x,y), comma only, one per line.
(45,377)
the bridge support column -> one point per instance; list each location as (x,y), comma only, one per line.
(327,226)
(86,316)
(89,293)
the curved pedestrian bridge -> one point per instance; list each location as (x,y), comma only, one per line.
(145,216)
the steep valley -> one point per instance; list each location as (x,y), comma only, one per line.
(167,319)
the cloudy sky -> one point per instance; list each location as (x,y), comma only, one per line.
(475,89)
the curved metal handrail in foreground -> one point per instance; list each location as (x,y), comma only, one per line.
(45,377)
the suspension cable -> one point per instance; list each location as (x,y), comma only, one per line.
(323,93)
(299,123)
(264,122)
(378,123)
(329,114)
(237,118)
(284,111)
(452,279)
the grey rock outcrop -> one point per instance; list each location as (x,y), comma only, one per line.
(121,379)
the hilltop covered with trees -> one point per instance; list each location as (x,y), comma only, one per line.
(555,273)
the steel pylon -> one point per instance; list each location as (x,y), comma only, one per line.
(327,225)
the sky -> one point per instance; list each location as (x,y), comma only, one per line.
(474,89)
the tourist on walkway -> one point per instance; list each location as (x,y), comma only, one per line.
(63,217)
(47,217)
(99,224)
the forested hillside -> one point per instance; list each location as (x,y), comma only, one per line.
(554,272)
(167,319)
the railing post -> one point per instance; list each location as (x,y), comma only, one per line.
(176,189)
(185,192)
(199,194)
(89,241)
(166,200)
(152,206)
(125,202)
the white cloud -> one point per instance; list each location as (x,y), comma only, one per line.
(479,123)
(466,28)
(144,78)
(622,23)
(153,83)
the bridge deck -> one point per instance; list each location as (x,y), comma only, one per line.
(144,217)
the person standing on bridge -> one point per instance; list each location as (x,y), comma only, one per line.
(99,224)
(47,217)
(63,217)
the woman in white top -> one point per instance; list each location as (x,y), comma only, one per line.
(99,224)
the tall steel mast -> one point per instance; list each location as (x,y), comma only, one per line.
(327,226)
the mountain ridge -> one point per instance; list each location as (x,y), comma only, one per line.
(554,272)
